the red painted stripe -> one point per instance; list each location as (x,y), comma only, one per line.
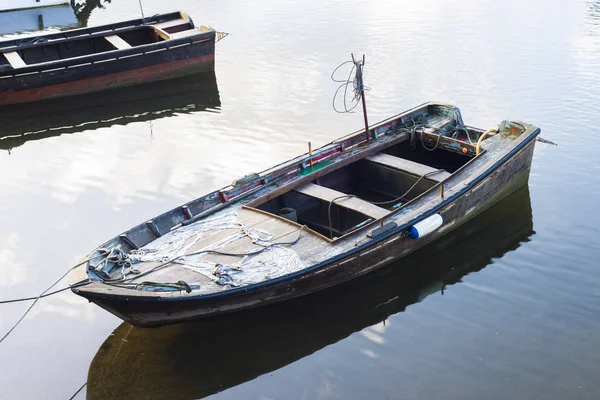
(158,72)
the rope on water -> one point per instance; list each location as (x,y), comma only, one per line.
(43,294)
(77,392)
(546,141)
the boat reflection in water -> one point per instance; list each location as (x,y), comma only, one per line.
(38,19)
(148,102)
(63,16)
(183,361)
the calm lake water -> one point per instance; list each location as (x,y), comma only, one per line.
(506,307)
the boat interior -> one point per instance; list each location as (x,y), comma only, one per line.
(368,189)
(43,51)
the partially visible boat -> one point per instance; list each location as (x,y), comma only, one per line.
(8,5)
(310,223)
(87,60)
(38,19)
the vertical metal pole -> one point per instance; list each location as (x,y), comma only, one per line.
(141,9)
(359,67)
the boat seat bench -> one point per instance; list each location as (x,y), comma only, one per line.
(15,59)
(173,24)
(407,166)
(118,42)
(352,203)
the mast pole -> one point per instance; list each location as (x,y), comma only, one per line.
(361,88)
(141,9)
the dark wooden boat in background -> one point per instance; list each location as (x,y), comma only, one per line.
(88,60)
(313,222)
(281,334)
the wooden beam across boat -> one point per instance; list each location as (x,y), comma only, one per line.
(15,59)
(409,166)
(119,43)
(342,200)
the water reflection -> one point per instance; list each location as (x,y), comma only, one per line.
(198,359)
(38,19)
(148,102)
(60,17)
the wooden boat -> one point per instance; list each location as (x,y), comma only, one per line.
(323,218)
(8,5)
(105,57)
(278,335)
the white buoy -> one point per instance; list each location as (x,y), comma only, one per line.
(425,227)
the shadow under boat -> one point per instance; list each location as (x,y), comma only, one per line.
(148,102)
(184,361)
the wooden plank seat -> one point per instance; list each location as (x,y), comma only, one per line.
(407,166)
(15,59)
(352,203)
(171,24)
(118,42)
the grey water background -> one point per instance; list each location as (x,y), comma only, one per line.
(518,319)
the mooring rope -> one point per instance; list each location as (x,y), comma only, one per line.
(43,294)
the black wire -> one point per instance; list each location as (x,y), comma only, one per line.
(409,189)
(33,298)
(77,392)
(329,211)
(43,294)
(436,143)
(345,85)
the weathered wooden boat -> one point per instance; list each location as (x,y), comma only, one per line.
(104,57)
(280,334)
(8,5)
(313,222)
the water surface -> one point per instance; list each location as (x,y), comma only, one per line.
(506,308)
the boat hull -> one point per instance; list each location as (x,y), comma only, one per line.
(502,180)
(170,63)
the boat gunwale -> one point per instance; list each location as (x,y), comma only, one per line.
(529,136)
